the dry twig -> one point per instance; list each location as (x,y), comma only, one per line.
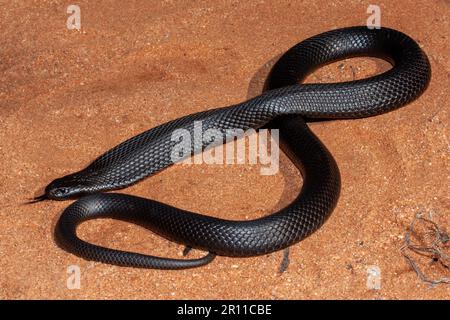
(435,245)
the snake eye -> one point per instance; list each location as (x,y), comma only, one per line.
(63,190)
(60,192)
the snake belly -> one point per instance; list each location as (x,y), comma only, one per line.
(286,105)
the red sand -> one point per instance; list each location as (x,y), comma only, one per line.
(66,96)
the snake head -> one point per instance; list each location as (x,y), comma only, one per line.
(64,188)
(68,187)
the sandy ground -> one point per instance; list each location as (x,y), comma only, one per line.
(66,96)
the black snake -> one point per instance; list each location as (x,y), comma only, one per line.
(286,104)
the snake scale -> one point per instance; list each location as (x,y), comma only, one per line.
(286,105)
